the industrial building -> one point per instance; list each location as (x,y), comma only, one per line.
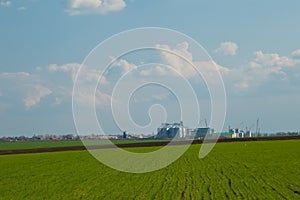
(225,134)
(202,132)
(232,133)
(172,130)
(178,130)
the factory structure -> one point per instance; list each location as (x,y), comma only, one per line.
(232,133)
(178,130)
(172,130)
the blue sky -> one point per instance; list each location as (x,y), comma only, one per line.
(42,43)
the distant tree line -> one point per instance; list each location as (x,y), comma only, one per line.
(46,137)
(53,137)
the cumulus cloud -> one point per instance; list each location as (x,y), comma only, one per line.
(264,67)
(261,70)
(272,59)
(181,61)
(72,68)
(31,88)
(227,49)
(8,75)
(124,65)
(179,58)
(23,85)
(5,3)
(296,54)
(22,8)
(100,99)
(35,95)
(80,7)
(69,67)
(157,95)
(157,70)
(178,62)
(89,77)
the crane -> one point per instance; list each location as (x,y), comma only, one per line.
(205,121)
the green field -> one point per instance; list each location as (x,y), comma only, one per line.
(67,143)
(236,170)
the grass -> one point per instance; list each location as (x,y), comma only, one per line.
(49,144)
(237,170)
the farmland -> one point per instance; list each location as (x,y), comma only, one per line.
(252,170)
(66,143)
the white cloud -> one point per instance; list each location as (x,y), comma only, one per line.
(85,98)
(5,3)
(160,70)
(227,48)
(146,72)
(80,7)
(157,70)
(102,99)
(22,8)
(296,54)
(25,86)
(243,85)
(69,67)
(161,96)
(58,101)
(151,95)
(64,68)
(90,75)
(15,75)
(34,96)
(264,67)
(32,88)
(85,3)
(124,65)
(181,65)
(185,66)
(272,59)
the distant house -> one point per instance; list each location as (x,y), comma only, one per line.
(238,133)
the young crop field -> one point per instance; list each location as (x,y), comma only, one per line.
(234,170)
(37,144)
(60,143)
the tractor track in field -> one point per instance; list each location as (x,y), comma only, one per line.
(133,145)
